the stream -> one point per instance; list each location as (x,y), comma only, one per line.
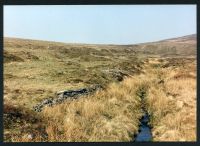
(144,132)
(144,129)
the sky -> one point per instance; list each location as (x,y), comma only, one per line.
(100,24)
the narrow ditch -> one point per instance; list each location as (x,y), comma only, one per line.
(144,132)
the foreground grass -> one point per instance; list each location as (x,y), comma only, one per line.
(110,115)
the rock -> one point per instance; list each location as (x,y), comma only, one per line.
(38,107)
(47,101)
(66,94)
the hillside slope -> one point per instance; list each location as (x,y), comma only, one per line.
(181,46)
(35,70)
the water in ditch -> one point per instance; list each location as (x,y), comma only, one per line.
(144,130)
(144,133)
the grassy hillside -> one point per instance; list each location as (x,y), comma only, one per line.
(35,70)
(182,46)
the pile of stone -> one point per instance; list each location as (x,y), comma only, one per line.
(63,95)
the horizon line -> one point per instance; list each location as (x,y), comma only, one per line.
(11,37)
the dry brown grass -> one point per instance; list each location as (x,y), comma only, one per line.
(111,115)
(172,105)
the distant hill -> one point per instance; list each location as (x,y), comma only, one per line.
(187,39)
(181,46)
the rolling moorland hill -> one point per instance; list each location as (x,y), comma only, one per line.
(184,46)
(181,46)
(35,70)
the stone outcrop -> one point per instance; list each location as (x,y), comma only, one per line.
(63,95)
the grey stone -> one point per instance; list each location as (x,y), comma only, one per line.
(63,95)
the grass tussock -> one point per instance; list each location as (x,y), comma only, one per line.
(172,105)
(111,115)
